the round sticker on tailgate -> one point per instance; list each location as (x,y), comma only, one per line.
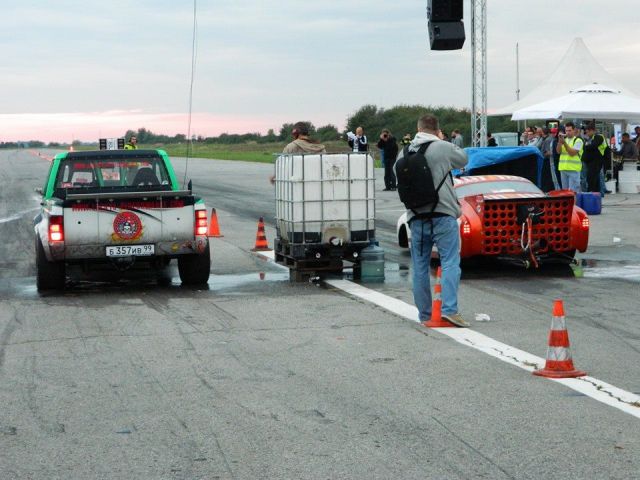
(127,226)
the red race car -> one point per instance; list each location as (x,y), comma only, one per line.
(508,218)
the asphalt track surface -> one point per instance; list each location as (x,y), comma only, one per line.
(257,377)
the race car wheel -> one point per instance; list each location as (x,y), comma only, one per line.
(194,269)
(566,257)
(49,275)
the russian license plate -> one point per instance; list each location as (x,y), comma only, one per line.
(130,250)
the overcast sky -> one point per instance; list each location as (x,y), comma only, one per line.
(85,69)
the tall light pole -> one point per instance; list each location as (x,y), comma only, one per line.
(479,73)
(518,79)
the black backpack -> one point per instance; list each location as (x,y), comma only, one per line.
(415,181)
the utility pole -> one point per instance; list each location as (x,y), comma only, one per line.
(518,79)
(478,73)
(517,73)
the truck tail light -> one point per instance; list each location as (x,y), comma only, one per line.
(201,222)
(56,228)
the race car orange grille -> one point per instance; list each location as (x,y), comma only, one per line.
(502,232)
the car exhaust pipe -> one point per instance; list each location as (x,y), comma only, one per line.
(518,262)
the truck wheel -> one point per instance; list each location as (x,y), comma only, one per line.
(194,269)
(49,275)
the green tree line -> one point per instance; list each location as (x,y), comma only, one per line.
(402,119)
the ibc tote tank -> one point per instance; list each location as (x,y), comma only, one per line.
(325,198)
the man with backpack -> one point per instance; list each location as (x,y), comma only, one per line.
(425,186)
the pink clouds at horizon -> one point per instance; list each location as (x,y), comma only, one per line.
(66,127)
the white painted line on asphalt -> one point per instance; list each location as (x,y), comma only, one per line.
(389,303)
(269,254)
(597,389)
(603,392)
(18,215)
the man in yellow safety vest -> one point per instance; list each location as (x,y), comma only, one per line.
(570,148)
(132,144)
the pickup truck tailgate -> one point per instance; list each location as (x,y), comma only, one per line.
(128,220)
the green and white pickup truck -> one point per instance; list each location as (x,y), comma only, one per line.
(118,207)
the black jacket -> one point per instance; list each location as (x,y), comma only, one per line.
(390,149)
(363,146)
(591,154)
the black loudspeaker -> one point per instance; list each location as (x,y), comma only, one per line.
(444,10)
(446,35)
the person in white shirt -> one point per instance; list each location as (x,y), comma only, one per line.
(358,141)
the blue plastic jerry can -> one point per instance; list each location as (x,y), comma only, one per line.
(372,263)
(592,203)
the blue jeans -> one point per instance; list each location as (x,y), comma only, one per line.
(443,232)
(603,187)
(570,180)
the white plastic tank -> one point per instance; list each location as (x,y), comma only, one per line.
(325,198)
(629,178)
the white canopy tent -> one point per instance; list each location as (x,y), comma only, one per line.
(578,67)
(592,101)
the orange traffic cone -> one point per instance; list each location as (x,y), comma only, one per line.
(559,363)
(214,228)
(261,238)
(436,306)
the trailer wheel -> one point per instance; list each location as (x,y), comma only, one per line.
(357,271)
(49,275)
(298,276)
(195,269)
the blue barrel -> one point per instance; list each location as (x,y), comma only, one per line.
(592,203)
(372,264)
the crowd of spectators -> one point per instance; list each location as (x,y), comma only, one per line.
(584,151)
(575,158)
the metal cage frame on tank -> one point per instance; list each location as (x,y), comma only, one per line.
(325,210)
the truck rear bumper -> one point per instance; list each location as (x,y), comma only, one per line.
(98,252)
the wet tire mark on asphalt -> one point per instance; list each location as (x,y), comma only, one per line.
(472,448)
(31,400)
(192,450)
(6,334)
(188,449)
